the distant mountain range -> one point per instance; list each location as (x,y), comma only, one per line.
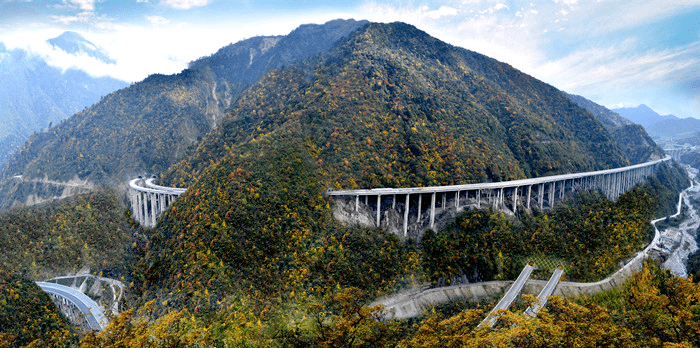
(438,115)
(636,143)
(35,95)
(663,128)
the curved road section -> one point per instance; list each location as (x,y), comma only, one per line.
(94,316)
(149,201)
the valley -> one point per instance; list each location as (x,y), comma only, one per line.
(271,192)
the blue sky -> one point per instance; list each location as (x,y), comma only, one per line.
(617,53)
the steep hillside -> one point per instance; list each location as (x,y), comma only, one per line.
(395,107)
(28,317)
(146,127)
(35,95)
(389,106)
(635,142)
(82,232)
(607,117)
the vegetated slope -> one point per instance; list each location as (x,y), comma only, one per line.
(608,118)
(653,308)
(635,142)
(28,317)
(35,95)
(146,127)
(63,237)
(389,106)
(588,234)
(395,107)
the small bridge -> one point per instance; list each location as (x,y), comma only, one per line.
(149,200)
(677,152)
(81,310)
(540,193)
(515,290)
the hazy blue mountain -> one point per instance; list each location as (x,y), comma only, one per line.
(634,140)
(35,95)
(663,128)
(643,115)
(73,43)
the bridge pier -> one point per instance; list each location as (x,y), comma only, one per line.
(149,201)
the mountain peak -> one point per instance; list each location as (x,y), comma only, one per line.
(643,115)
(74,43)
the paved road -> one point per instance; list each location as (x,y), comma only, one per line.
(95,318)
(489,185)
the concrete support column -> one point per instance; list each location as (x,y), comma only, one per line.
(500,201)
(457,199)
(529,191)
(153,209)
(515,199)
(132,199)
(405,216)
(540,195)
(357,202)
(552,189)
(432,210)
(139,205)
(478,199)
(379,208)
(420,206)
(561,190)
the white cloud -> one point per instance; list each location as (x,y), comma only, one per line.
(157,20)
(443,11)
(184,4)
(82,17)
(85,5)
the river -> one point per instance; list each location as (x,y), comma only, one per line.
(680,239)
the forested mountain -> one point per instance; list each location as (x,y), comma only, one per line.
(35,95)
(388,106)
(634,140)
(250,255)
(607,117)
(402,108)
(146,127)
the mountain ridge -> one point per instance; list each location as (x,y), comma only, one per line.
(35,96)
(389,106)
(636,143)
(666,128)
(180,107)
(75,44)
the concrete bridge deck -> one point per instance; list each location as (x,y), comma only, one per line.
(74,304)
(523,194)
